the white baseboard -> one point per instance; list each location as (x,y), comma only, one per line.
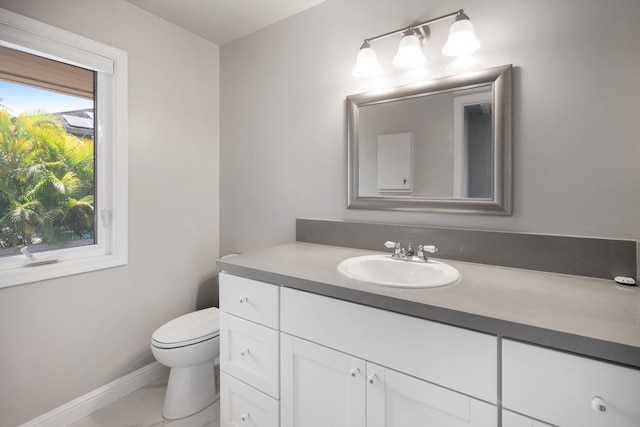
(85,405)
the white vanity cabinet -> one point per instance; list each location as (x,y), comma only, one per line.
(249,352)
(296,359)
(567,390)
(351,365)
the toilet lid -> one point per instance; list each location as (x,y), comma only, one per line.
(188,329)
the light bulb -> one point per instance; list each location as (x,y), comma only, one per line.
(462,40)
(366,63)
(409,52)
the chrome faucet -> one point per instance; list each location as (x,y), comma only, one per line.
(408,254)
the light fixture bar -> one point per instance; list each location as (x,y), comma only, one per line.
(461,42)
(422,24)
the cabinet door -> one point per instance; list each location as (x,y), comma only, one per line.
(320,387)
(395,399)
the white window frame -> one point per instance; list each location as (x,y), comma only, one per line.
(110,64)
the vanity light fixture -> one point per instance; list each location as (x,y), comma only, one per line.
(461,42)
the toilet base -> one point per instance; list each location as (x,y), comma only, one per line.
(189,390)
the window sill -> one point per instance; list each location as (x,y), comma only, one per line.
(22,275)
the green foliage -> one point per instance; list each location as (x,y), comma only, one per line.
(46,182)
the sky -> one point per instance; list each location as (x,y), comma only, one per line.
(21,99)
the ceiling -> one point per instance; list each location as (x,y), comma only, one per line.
(222,21)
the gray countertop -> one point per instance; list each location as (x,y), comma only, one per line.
(592,317)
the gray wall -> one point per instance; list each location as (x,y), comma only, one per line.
(576,127)
(62,338)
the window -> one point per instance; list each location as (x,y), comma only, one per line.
(66,200)
(47,154)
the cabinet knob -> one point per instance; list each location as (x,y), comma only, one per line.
(373,378)
(598,404)
(243,300)
(354,372)
(245,416)
(244,351)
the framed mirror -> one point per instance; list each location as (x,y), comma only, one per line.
(443,145)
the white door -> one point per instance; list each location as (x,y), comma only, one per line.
(394,162)
(398,400)
(320,387)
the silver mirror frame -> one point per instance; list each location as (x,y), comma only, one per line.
(500,204)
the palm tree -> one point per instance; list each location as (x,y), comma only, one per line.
(46,181)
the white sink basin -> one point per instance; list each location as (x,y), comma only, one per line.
(385,271)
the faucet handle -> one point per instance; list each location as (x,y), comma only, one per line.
(429,248)
(391,245)
(397,252)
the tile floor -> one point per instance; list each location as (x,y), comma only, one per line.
(143,408)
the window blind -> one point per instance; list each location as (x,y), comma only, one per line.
(25,68)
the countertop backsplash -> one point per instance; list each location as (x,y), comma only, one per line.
(579,256)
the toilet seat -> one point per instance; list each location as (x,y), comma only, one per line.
(189,329)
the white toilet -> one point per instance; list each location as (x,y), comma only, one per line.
(188,345)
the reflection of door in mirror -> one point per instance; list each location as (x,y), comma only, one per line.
(395,158)
(473,144)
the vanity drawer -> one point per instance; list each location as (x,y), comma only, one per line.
(250,299)
(456,358)
(241,405)
(568,390)
(251,353)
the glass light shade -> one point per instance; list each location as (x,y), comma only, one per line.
(462,40)
(409,53)
(366,64)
